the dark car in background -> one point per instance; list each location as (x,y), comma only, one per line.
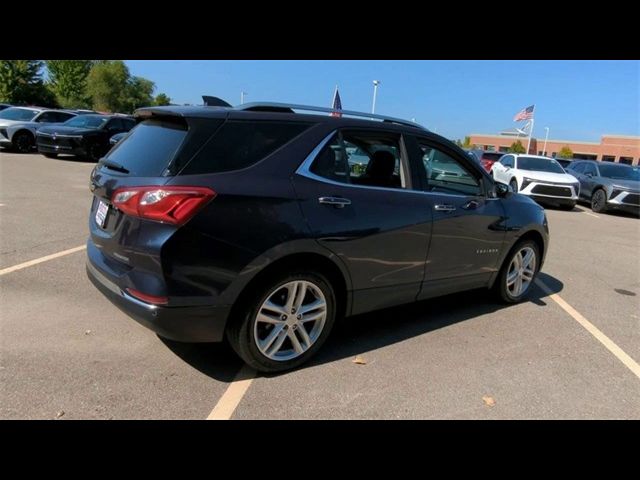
(608,186)
(85,136)
(249,224)
(564,162)
(4,105)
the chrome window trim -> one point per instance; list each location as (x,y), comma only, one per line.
(304,171)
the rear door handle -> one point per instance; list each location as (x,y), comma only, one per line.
(337,202)
(444,208)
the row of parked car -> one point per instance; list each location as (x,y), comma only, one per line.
(84,133)
(564,182)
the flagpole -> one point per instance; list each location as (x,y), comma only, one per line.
(333,101)
(530,132)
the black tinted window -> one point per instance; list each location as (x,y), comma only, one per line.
(446,174)
(238,144)
(147,151)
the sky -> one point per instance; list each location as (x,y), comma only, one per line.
(577,100)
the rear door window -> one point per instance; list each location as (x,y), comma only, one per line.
(150,147)
(240,144)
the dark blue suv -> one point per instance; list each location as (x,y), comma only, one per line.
(252,224)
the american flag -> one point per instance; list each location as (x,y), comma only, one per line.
(337,104)
(524,114)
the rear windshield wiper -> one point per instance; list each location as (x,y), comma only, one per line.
(114,166)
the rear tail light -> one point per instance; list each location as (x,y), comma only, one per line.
(175,205)
(145,297)
(487,164)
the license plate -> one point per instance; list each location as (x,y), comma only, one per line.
(101,213)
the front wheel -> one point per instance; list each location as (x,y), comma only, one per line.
(94,151)
(518,272)
(285,322)
(599,201)
(514,185)
(23,142)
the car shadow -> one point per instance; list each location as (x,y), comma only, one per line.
(72,159)
(362,333)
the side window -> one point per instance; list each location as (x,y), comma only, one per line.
(579,168)
(62,117)
(446,174)
(47,117)
(240,144)
(362,158)
(590,168)
(128,124)
(507,161)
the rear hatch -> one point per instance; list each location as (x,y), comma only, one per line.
(134,212)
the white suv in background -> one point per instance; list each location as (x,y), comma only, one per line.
(542,178)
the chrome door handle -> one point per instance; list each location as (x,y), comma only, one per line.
(337,202)
(444,208)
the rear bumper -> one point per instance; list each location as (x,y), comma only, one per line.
(182,324)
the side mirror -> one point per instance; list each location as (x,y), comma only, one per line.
(590,175)
(502,189)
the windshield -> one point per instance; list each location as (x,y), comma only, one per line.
(86,121)
(620,172)
(23,114)
(539,164)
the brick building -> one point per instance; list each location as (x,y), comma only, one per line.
(611,148)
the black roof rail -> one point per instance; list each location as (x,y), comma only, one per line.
(290,108)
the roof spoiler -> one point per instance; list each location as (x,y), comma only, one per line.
(214,101)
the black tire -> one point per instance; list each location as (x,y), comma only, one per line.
(95,151)
(514,185)
(240,331)
(23,142)
(500,287)
(599,201)
(51,155)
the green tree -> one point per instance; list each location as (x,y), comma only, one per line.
(565,152)
(139,93)
(68,82)
(21,83)
(467,142)
(517,147)
(107,85)
(162,99)
(113,89)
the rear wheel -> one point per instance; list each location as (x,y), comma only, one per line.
(514,185)
(518,272)
(284,322)
(23,142)
(599,201)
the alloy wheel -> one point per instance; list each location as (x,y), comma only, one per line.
(290,320)
(521,271)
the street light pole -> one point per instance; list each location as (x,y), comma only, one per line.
(375,92)
(544,149)
(242,94)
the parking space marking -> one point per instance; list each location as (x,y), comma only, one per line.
(620,354)
(233,395)
(31,263)
(584,210)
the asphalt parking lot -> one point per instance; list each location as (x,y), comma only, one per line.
(66,352)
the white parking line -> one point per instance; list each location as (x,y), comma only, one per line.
(31,263)
(620,354)
(584,210)
(233,395)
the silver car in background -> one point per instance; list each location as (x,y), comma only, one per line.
(18,125)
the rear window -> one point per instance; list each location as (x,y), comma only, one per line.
(147,151)
(240,144)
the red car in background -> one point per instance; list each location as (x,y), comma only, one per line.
(486,158)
